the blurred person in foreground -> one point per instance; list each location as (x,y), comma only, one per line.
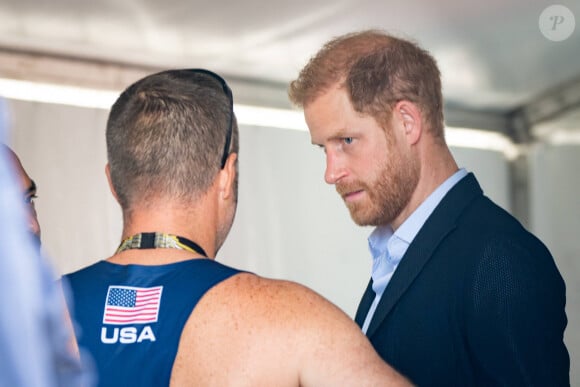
(161,311)
(460,293)
(28,188)
(37,347)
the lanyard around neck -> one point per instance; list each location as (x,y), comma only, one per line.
(157,240)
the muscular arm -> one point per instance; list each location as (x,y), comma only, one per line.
(250,331)
(336,352)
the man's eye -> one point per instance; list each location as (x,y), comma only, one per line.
(30,199)
(348,140)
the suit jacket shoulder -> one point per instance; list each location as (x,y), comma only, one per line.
(470,296)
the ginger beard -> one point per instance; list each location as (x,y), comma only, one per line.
(387,194)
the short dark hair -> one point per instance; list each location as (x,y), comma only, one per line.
(166,135)
(377,70)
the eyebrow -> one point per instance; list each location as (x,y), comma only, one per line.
(339,134)
(32,188)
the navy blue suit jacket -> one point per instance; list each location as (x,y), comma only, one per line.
(475,301)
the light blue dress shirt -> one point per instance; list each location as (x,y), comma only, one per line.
(388,248)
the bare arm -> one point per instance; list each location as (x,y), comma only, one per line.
(250,331)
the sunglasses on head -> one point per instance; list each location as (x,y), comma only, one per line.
(228,93)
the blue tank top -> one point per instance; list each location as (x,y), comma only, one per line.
(129,318)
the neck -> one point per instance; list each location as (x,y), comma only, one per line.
(193,223)
(436,167)
(158,240)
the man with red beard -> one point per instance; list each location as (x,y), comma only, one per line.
(460,293)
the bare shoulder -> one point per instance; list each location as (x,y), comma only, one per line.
(272,308)
(259,331)
(273,300)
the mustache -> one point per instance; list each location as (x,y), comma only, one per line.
(349,187)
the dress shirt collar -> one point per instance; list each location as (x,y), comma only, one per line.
(388,248)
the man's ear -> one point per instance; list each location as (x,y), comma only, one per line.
(411,119)
(108,173)
(227,176)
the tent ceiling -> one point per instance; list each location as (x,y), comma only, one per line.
(493,56)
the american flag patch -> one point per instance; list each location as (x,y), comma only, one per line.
(131,305)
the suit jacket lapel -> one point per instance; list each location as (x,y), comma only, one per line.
(438,225)
(365,304)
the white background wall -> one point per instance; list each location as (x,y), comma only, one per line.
(555,217)
(289,224)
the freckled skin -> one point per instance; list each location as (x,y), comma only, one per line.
(249,330)
(252,331)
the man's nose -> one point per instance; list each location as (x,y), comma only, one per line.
(335,168)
